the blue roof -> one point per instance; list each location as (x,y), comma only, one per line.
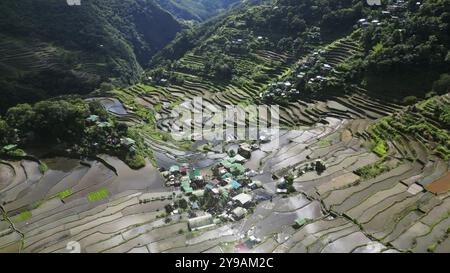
(235,185)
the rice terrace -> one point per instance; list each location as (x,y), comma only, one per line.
(338,140)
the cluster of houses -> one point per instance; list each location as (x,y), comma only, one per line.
(312,70)
(391,13)
(95,121)
(127,143)
(222,193)
(184,177)
(285,184)
(280,89)
(317,166)
(322,69)
(9,149)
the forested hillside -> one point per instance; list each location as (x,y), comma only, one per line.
(397,48)
(411,51)
(49,48)
(196,10)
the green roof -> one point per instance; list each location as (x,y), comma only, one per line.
(128,141)
(10,147)
(231,159)
(301,221)
(227,175)
(241,177)
(174,168)
(93,118)
(185,179)
(187,189)
(226,163)
(236,167)
(194,173)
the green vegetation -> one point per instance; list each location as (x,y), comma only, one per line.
(442,85)
(196,10)
(427,121)
(135,161)
(380,147)
(22,217)
(11,150)
(324,143)
(43,167)
(98,195)
(228,49)
(89,130)
(432,248)
(373,170)
(74,49)
(64,194)
(408,54)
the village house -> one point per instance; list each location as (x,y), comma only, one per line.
(184,170)
(201,222)
(9,148)
(243,199)
(239,213)
(282,191)
(237,158)
(255,185)
(245,150)
(127,141)
(93,118)
(174,170)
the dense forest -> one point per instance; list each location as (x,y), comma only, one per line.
(410,54)
(49,48)
(406,50)
(196,10)
(88,130)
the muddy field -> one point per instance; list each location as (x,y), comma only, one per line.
(343,211)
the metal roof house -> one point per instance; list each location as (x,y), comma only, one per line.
(127,141)
(174,169)
(201,222)
(239,213)
(93,118)
(301,222)
(9,148)
(235,185)
(243,199)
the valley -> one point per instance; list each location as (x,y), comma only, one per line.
(353,167)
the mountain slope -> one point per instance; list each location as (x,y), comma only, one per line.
(49,48)
(197,10)
(230,43)
(398,49)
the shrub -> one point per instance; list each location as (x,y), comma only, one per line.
(98,195)
(380,148)
(442,85)
(135,161)
(409,100)
(43,167)
(168,208)
(373,170)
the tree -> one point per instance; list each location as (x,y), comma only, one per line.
(182,203)
(6,133)
(21,117)
(442,85)
(168,208)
